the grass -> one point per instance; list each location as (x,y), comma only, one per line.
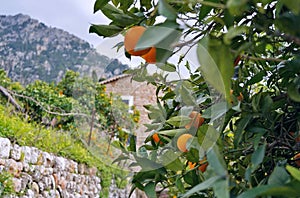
(52,141)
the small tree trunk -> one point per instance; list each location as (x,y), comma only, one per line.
(92,126)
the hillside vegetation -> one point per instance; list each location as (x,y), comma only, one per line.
(30,50)
(74,119)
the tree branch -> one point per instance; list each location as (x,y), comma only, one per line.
(6,93)
(288,37)
(46,110)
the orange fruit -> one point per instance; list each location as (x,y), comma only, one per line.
(297,159)
(191,165)
(155,138)
(131,38)
(182,141)
(196,121)
(203,165)
(150,57)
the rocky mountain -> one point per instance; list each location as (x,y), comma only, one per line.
(30,50)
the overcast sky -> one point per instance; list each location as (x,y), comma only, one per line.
(74,16)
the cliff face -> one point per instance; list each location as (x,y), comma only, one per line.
(30,50)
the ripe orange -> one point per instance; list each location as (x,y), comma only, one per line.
(182,141)
(196,121)
(132,37)
(191,165)
(155,138)
(203,165)
(297,159)
(150,57)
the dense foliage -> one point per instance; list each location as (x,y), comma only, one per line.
(75,119)
(246,85)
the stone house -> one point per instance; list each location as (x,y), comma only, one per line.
(133,93)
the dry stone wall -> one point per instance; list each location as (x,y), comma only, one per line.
(41,174)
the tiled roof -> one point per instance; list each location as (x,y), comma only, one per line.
(114,78)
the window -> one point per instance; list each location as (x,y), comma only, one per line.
(129,101)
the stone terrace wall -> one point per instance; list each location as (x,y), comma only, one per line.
(40,174)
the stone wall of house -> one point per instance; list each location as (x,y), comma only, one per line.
(38,174)
(142,93)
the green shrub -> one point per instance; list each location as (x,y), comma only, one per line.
(6,184)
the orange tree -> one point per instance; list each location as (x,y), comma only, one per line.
(245,83)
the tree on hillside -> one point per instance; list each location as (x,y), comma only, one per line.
(231,128)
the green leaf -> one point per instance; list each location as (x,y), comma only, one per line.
(132,144)
(288,22)
(233,32)
(184,94)
(216,162)
(242,124)
(266,104)
(125,4)
(191,178)
(216,63)
(289,190)
(237,7)
(279,176)
(193,155)
(166,67)
(111,12)
(202,186)
(186,110)
(294,90)
(123,20)
(216,111)
(207,136)
(146,3)
(154,35)
(166,10)
(120,158)
(150,190)
(293,171)
(205,9)
(256,102)
(172,132)
(258,155)
(228,18)
(99,4)
(221,188)
(293,5)
(179,121)
(256,78)
(179,184)
(171,161)
(146,164)
(254,192)
(105,30)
